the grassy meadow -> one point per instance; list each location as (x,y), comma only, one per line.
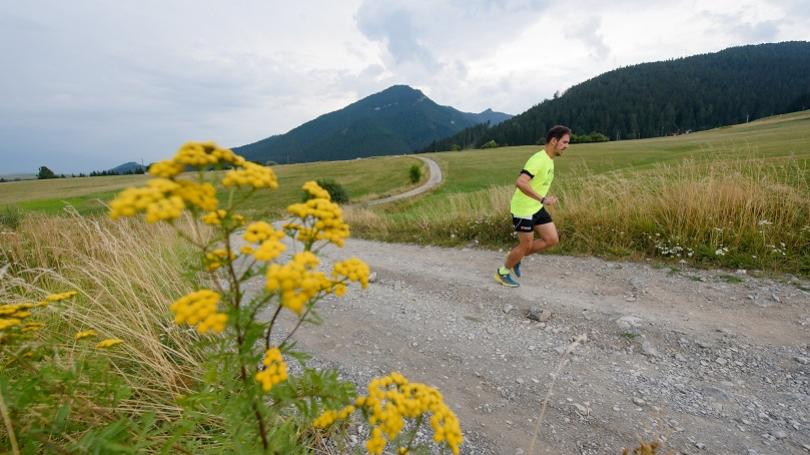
(735,197)
(363,179)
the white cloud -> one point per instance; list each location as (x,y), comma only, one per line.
(90,84)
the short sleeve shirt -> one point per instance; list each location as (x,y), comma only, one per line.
(540,168)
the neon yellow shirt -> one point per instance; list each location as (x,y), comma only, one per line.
(541,168)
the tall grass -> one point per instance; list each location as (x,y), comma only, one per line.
(126,274)
(750,213)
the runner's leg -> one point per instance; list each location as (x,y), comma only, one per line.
(548,237)
(523,248)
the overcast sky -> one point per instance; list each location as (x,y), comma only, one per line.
(89,85)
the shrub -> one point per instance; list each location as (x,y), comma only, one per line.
(490,145)
(415,173)
(335,190)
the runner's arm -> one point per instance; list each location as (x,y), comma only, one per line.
(524,185)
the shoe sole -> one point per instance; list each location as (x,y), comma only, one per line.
(504,283)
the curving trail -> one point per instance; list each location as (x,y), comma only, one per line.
(433,181)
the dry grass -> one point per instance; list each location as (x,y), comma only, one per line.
(127,273)
(747,213)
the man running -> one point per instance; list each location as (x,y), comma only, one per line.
(528,214)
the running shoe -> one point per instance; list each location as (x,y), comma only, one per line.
(505,280)
(516,269)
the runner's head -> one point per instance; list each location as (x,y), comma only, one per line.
(557,139)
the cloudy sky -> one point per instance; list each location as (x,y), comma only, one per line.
(90,84)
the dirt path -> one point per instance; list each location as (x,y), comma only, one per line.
(434,179)
(714,362)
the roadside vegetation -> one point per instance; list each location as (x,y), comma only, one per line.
(736,197)
(140,337)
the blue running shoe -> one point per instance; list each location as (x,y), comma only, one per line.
(516,269)
(506,280)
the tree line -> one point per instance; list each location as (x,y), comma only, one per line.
(670,97)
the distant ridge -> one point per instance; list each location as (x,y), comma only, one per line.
(397,120)
(704,91)
(130,166)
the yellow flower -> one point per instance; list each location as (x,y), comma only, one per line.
(108,343)
(166,169)
(156,199)
(6,323)
(201,195)
(85,334)
(329,417)
(321,219)
(392,398)
(61,296)
(251,174)
(258,231)
(200,154)
(200,309)
(352,269)
(316,191)
(270,248)
(215,259)
(296,281)
(32,326)
(376,444)
(275,369)
(214,218)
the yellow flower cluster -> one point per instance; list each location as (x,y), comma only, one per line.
(216,217)
(275,369)
(252,175)
(12,315)
(215,259)
(297,281)
(85,334)
(166,169)
(155,199)
(352,269)
(316,191)
(392,398)
(32,326)
(164,198)
(108,343)
(201,195)
(270,239)
(61,296)
(200,308)
(330,416)
(195,154)
(321,218)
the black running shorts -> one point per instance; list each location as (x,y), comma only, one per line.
(527,224)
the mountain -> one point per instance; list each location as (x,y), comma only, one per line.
(397,120)
(127,167)
(704,91)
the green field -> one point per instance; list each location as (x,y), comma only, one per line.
(363,179)
(735,196)
(774,137)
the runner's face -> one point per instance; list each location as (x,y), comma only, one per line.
(561,145)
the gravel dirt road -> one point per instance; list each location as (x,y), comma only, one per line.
(711,361)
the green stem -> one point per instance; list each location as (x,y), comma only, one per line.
(302,318)
(270,326)
(7,421)
(413,432)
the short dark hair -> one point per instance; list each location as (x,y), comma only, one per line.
(557,132)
